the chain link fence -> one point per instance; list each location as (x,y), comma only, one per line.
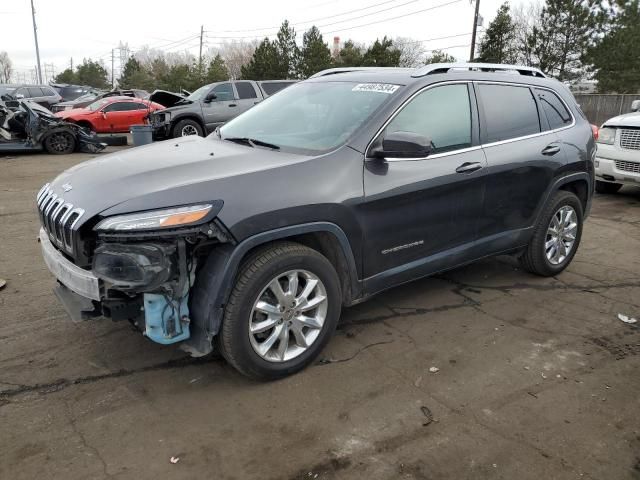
(600,107)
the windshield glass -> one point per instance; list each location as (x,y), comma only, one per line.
(199,93)
(99,104)
(311,117)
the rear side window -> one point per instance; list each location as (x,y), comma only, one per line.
(509,112)
(273,87)
(556,112)
(122,107)
(48,92)
(34,92)
(245,90)
(442,114)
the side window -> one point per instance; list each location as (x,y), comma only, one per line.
(245,90)
(121,107)
(556,112)
(34,92)
(139,106)
(48,92)
(442,114)
(223,92)
(509,112)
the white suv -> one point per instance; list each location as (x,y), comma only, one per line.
(618,156)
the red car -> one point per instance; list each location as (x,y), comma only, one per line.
(111,114)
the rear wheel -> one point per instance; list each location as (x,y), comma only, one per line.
(607,187)
(186,128)
(283,309)
(60,143)
(556,236)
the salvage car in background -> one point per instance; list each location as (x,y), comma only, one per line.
(618,158)
(71,92)
(93,95)
(41,94)
(28,127)
(209,106)
(111,114)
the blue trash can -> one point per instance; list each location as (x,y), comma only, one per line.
(141,134)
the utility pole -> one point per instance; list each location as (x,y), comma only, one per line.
(71,64)
(472,55)
(35,36)
(113,81)
(200,56)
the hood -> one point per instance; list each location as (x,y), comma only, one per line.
(74,112)
(162,174)
(168,99)
(626,120)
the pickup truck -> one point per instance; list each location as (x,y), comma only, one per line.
(209,106)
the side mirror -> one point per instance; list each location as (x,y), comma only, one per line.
(635,106)
(403,145)
(210,97)
(104,114)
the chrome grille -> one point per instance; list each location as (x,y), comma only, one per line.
(630,138)
(58,217)
(633,167)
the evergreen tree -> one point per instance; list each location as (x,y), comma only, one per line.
(614,57)
(288,52)
(134,75)
(265,64)
(382,54)
(216,70)
(498,44)
(66,76)
(92,73)
(315,55)
(439,56)
(351,55)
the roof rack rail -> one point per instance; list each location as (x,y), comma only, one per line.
(333,71)
(483,67)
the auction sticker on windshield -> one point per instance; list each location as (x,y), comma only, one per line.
(375,87)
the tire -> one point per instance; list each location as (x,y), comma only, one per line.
(241,348)
(182,128)
(607,187)
(60,143)
(536,257)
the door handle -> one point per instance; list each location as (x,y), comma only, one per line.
(233,105)
(468,167)
(550,150)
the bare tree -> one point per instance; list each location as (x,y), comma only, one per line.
(236,54)
(6,68)
(526,17)
(411,51)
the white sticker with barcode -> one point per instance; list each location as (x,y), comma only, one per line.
(375,87)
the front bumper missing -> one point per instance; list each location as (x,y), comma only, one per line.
(76,279)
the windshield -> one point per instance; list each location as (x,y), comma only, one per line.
(199,93)
(311,117)
(99,104)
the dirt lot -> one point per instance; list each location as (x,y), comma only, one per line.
(537,377)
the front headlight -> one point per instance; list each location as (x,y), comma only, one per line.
(156,219)
(607,135)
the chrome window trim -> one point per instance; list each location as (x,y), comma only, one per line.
(475,147)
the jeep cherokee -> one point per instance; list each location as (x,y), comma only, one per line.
(251,240)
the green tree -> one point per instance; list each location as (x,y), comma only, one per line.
(382,54)
(288,52)
(498,44)
(264,64)
(351,55)
(135,75)
(92,73)
(216,70)
(439,56)
(66,76)
(315,55)
(614,57)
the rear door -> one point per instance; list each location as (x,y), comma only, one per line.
(523,155)
(221,109)
(418,208)
(247,96)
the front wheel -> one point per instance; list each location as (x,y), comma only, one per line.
(281,313)
(60,143)
(556,236)
(186,128)
(607,187)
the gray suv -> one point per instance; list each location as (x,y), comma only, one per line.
(253,239)
(41,94)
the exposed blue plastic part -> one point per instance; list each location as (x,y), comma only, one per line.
(166,321)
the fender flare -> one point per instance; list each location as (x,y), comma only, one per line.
(214,283)
(559,182)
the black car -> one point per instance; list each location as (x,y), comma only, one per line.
(357,180)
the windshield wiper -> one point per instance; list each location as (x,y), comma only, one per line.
(252,142)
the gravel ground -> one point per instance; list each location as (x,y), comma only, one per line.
(537,377)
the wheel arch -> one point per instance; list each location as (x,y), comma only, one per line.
(579,183)
(216,277)
(188,116)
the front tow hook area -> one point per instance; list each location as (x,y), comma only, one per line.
(78,308)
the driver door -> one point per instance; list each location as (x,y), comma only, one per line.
(418,208)
(222,108)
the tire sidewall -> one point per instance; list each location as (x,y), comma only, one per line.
(54,152)
(177,130)
(238,327)
(573,202)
